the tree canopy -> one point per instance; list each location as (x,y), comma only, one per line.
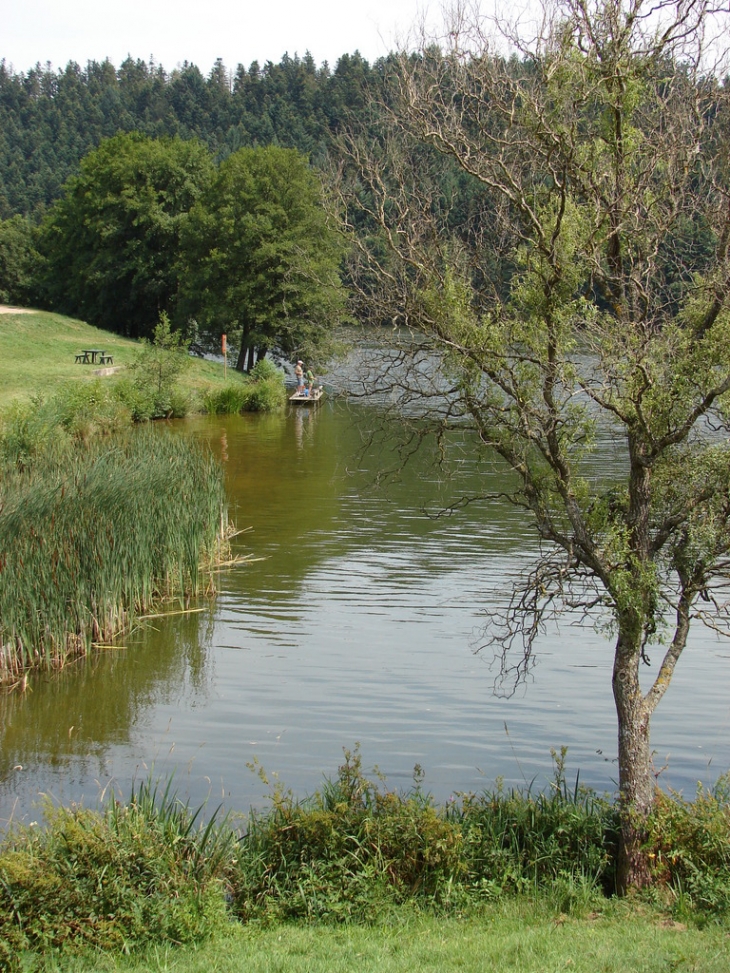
(598,139)
(261,257)
(112,241)
(50,119)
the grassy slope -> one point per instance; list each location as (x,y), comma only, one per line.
(508,939)
(38,350)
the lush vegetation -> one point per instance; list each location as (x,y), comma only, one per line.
(93,538)
(153,378)
(97,522)
(50,119)
(152,871)
(261,261)
(151,228)
(112,241)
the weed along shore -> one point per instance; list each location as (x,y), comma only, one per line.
(360,876)
(103,519)
(94,541)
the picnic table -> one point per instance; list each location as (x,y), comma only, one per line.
(90,356)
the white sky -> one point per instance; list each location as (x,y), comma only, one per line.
(172,31)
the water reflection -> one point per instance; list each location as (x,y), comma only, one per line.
(355,623)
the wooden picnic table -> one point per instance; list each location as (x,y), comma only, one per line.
(90,356)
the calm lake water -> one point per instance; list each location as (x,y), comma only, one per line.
(356,623)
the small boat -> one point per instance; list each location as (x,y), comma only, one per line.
(307,398)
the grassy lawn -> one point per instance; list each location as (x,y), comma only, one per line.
(512,938)
(38,351)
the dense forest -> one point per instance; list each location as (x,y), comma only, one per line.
(50,119)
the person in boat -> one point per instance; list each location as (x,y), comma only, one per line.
(310,381)
(299,372)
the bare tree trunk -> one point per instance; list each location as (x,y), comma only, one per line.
(241,362)
(635,767)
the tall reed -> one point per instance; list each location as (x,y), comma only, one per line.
(87,545)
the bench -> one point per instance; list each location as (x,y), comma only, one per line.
(82,359)
(106,360)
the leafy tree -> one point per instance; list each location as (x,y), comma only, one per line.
(19,261)
(112,241)
(154,392)
(261,260)
(602,144)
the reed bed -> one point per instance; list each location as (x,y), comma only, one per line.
(87,546)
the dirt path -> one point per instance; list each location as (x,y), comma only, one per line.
(4,309)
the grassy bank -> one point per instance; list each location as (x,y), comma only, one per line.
(514,937)
(502,874)
(38,351)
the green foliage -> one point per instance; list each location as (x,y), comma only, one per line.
(154,392)
(19,262)
(261,259)
(90,539)
(563,841)
(262,391)
(50,119)
(345,853)
(690,849)
(112,241)
(228,400)
(150,870)
(28,431)
(136,873)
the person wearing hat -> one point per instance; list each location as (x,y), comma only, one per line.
(299,372)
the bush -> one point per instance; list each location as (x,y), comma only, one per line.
(153,393)
(112,880)
(27,432)
(266,395)
(262,391)
(690,842)
(228,400)
(514,842)
(346,852)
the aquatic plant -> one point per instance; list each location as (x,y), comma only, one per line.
(88,544)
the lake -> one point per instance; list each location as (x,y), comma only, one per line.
(355,622)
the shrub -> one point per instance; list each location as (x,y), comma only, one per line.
(262,391)
(153,393)
(112,880)
(28,431)
(264,370)
(690,842)
(514,841)
(228,400)
(266,395)
(345,852)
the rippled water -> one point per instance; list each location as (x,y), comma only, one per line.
(357,623)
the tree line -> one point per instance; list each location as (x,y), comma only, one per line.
(50,119)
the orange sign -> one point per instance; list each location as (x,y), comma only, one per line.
(223,343)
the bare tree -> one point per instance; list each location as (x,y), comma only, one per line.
(586,285)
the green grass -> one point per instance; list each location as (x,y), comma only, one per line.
(516,937)
(38,350)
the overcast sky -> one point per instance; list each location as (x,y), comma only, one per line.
(173,31)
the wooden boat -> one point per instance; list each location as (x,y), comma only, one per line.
(314,396)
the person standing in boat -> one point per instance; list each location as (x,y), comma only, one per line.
(310,381)
(299,372)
